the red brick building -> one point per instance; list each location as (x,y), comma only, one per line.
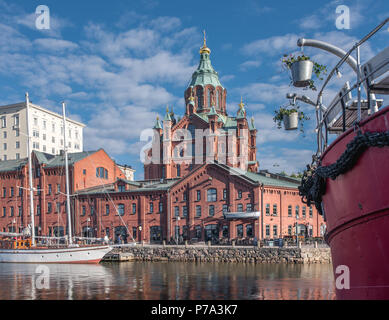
(188,192)
(86,169)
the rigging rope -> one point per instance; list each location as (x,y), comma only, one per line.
(313,182)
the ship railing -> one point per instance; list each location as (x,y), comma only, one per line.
(343,113)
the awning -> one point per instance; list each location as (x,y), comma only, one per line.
(242,215)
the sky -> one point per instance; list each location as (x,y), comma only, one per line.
(117,64)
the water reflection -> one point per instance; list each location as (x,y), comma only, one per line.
(155,280)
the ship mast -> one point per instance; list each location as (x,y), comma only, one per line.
(67,176)
(30,172)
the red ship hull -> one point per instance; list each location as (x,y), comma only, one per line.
(356,206)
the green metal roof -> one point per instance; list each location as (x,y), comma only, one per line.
(52,161)
(12,165)
(205,74)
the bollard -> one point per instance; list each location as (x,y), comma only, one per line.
(315,244)
(300,244)
(209,243)
(164,243)
(233,243)
(258,244)
(186,243)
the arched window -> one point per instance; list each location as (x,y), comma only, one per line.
(217,99)
(199,94)
(178,170)
(211,195)
(209,97)
(101,173)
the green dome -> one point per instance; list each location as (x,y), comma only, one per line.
(205,74)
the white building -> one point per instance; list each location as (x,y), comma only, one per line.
(46,131)
(128,171)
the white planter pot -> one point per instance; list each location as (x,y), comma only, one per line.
(291,121)
(301,73)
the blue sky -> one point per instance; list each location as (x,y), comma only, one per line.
(118,63)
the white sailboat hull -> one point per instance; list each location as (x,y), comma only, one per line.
(87,254)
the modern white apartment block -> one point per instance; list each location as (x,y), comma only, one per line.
(46,131)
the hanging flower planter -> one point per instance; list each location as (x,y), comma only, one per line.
(292,118)
(301,68)
(290,121)
(301,73)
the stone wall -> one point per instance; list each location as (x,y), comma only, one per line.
(221,254)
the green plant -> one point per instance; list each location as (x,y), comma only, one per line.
(317,69)
(282,111)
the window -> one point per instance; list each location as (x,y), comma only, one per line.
(290,228)
(184,197)
(35,121)
(58,207)
(107,209)
(121,209)
(176,211)
(184,211)
(267,230)
(211,210)
(289,211)
(151,207)
(84,171)
(49,207)
(224,194)
(17,133)
(199,94)
(274,209)
(4,192)
(83,210)
(178,170)
(275,231)
(19,211)
(240,207)
(225,208)
(249,207)
(3,122)
(303,211)
(12,191)
(267,209)
(133,208)
(17,156)
(211,195)
(198,211)
(92,210)
(49,189)
(11,212)
(58,188)
(5,134)
(310,212)
(20,192)
(53,139)
(5,146)
(198,193)
(160,206)
(16,120)
(239,230)
(239,194)
(297,212)
(249,231)
(101,173)
(122,188)
(4,211)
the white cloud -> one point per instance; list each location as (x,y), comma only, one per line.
(249,64)
(55,44)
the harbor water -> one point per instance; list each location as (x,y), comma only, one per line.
(160,281)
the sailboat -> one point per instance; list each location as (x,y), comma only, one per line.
(22,247)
